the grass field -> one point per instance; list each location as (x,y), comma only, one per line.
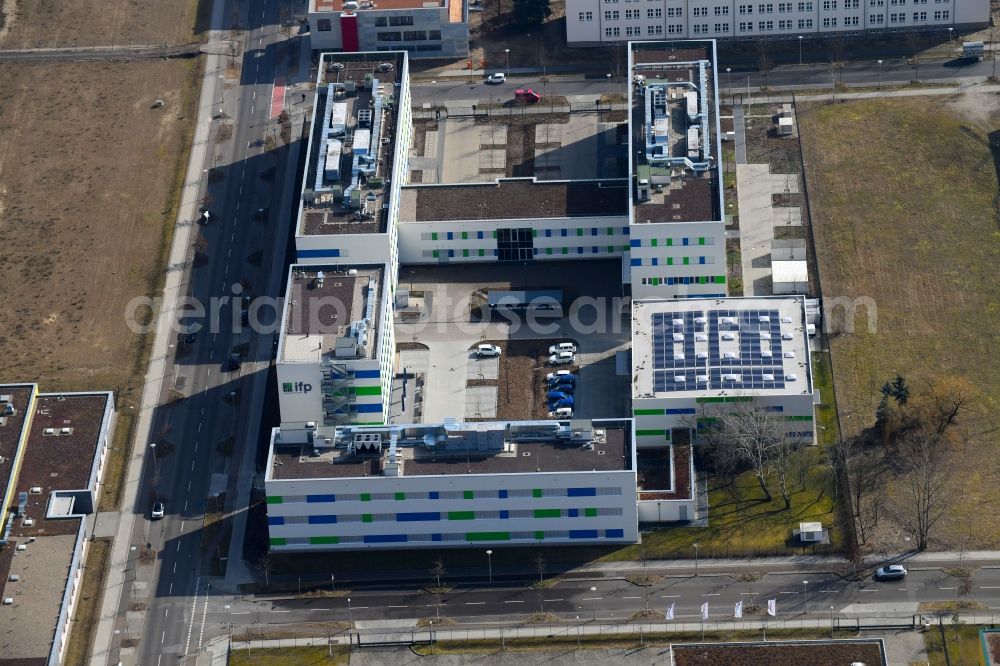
(294,656)
(961,641)
(89,605)
(904,194)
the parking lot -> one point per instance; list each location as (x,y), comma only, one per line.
(456,383)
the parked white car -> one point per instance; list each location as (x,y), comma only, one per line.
(487,350)
(558,373)
(562,358)
(561,413)
(496,78)
(562,347)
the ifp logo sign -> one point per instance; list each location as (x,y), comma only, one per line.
(296,387)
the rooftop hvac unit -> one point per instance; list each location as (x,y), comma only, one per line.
(8,601)
(22,546)
(14,578)
(35,490)
(29,522)
(5,397)
(49,431)
(66,431)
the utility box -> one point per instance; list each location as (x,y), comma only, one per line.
(785,126)
(810,532)
(972,50)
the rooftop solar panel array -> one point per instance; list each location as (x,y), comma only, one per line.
(717,349)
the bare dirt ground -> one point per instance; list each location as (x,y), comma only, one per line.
(50,23)
(86,173)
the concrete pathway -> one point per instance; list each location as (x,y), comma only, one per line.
(755,184)
(740,128)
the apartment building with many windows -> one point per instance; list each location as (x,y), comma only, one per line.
(422,28)
(593,22)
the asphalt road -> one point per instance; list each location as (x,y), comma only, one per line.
(194,426)
(815,76)
(617,599)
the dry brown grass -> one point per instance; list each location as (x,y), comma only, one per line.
(904,207)
(89,604)
(44,23)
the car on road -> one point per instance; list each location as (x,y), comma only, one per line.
(558,375)
(486,350)
(891,572)
(562,358)
(561,413)
(234,362)
(526,95)
(157,511)
(561,347)
(496,78)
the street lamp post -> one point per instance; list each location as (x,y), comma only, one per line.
(350,613)
(831,622)
(507,69)
(951,31)
(800,49)
(489,563)
(593,595)
(805,596)
(577,632)
(729,82)
(229,623)
(879,74)
(333,584)
(695,558)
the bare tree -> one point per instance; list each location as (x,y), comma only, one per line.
(926,483)
(540,566)
(764,63)
(753,434)
(782,463)
(438,570)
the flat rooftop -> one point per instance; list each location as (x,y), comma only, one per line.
(11,432)
(611,453)
(716,346)
(870,652)
(672,130)
(352,144)
(62,442)
(331,312)
(512,199)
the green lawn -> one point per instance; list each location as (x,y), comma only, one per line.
(292,656)
(742,524)
(962,643)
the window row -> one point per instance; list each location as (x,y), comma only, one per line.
(502,493)
(547,233)
(537,251)
(409,36)
(536,535)
(691,279)
(425,516)
(672,261)
(670,242)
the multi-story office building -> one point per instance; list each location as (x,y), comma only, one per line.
(452,485)
(423,28)
(514,219)
(677,230)
(593,22)
(355,161)
(335,352)
(692,358)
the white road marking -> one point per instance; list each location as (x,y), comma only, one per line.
(171,589)
(551,600)
(158,659)
(203,409)
(189,489)
(194,606)
(196,446)
(232,236)
(185,508)
(947,588)
(397,606)
(326,609)
(865,589)
(178,549)
(182,527)
(255,94)
(785,592)
(631,597)
(241,612)
(204,617)
(355,608)
(175,564)
(902,588)
(989,587)
(288,611)
(712,594)
(475,603)
(671,596)
(163,636)
(192,465)
(166,612)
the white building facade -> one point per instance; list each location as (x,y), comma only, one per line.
(593,22)
(543,483)
(423,28)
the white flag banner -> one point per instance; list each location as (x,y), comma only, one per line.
(670,611)
(770,608)
(738,610)
(704,611)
